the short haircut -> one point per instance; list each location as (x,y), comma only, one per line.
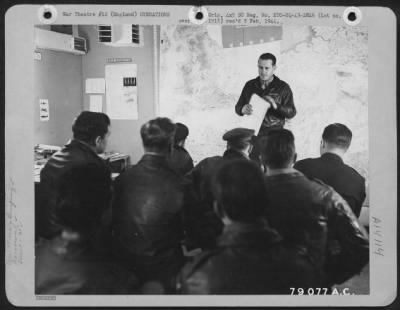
(269,56)
(337,134)
(83,193)
(90,125)
(181,133)
(239,189)
(278,148)
(158,134)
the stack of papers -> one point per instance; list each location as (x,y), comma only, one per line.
(113,156)
(254,121)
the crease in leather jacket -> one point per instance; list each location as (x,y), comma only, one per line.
(279,91)
(72,154)
(250,258)
(308,212)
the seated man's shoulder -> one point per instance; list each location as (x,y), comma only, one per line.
(75,153)
(208,161)
(319,189)
(319,185)
(162,172)
(328,195)
(61,161)
(354,173)
(142,175)
(306,162)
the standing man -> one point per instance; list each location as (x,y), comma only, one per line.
(331,169)
(275,91)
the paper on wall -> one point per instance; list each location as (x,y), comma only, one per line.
(96,103)
(260,108)
(95,86)
(121,91)
(44,110)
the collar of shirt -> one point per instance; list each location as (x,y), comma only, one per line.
(265,84)
(84,144)
(332,156)
(154,154)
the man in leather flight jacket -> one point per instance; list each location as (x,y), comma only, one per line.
(275,91)
(77,260)
(90,137)
(148,217)
(310,214)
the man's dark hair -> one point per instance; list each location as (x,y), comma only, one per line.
(269,56)
(90,125)
(158,134)
(337,134)
(239,145)
(239,190)
(278,149)
(83,193)
(181,133)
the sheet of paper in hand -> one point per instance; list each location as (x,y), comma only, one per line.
(260,107)
(322,65)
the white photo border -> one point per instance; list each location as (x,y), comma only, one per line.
(19,24)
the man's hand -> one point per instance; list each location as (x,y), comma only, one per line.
(247,109)
(272,101)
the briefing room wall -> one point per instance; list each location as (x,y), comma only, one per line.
(57,78)
(125,137)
